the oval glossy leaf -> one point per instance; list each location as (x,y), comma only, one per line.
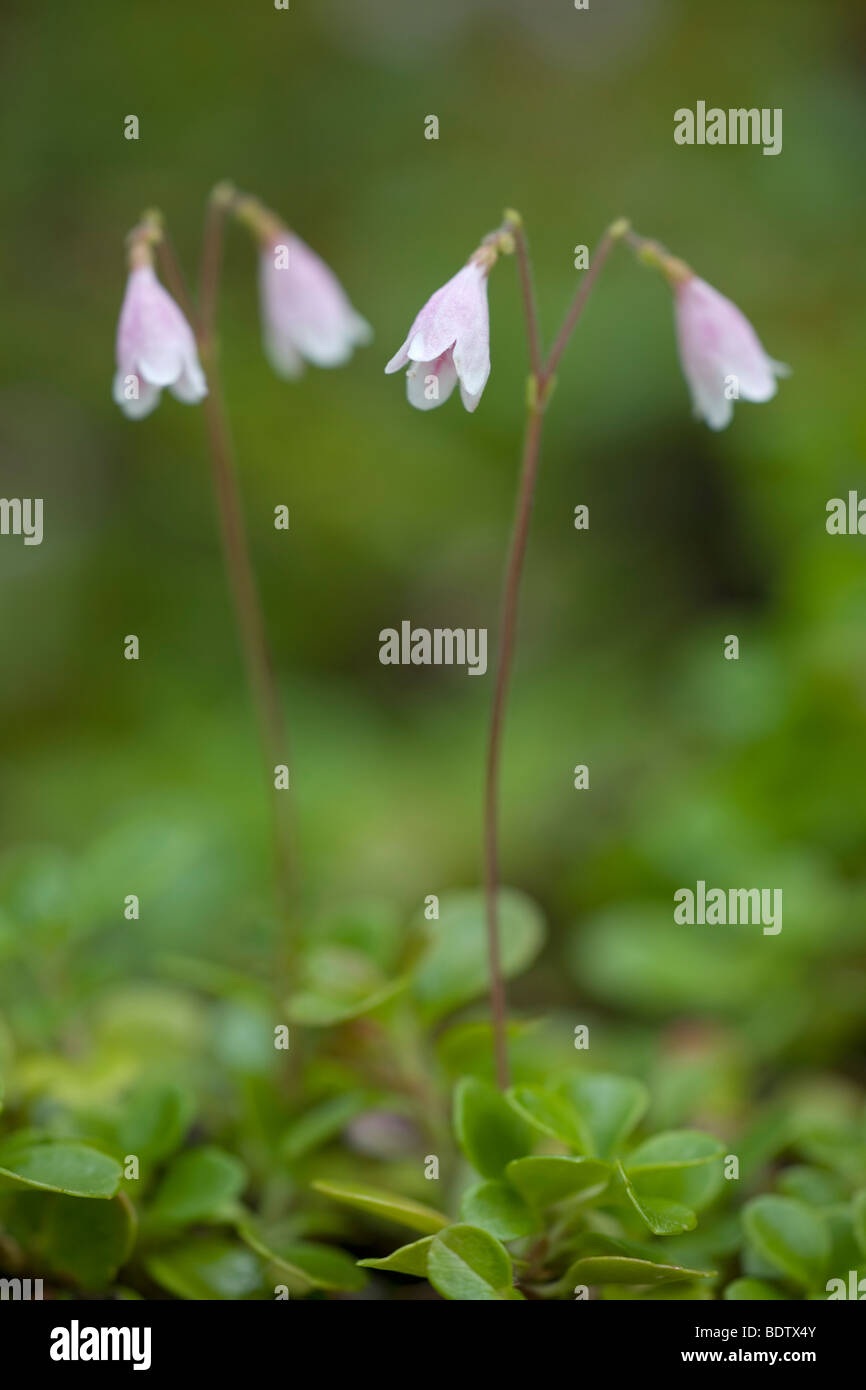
(751,1290)
(548,1113)
(498,1210)
(662,1217)
(466,1264)
(488,1129)
(790,1236)
(681,1165)
(409,1259)
(389,1206)
(59,1166)
(543,1179)
(211,1269)
(316,1266)
(454,969)
(200,1185)
(608,1108)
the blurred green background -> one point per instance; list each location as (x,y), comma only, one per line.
(144,778)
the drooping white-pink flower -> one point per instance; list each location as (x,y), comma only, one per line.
(155,348)
(449,341)
(306,313)
(721,356)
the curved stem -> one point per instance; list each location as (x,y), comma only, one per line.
(530,308)
(236,553)
(613,234)
(537,401)
(510,600)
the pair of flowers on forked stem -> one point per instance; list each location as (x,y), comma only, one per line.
(307,316)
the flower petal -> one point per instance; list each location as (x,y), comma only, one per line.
(428,384)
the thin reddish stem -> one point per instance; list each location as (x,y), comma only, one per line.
(537,400)
(236,552)
(508,623)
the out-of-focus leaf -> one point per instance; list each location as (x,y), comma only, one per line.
(320,1124)
(207,1269)
(58,1166)
(814,1186)
(543,1179)
(389,1206)
(498,1209)
(455,967)
(550,1114)
(789,1236)
(153,1120)
(608,1108)
(683,1165)
(200,1185)
(339,984)
(622,1269)
(488,1129)
(83,1242)
(751,1291)
(316,1266)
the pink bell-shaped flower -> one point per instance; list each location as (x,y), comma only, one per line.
(721,356)
(449,341)
(155,347)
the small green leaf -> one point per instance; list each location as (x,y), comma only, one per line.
(683,1165)
(543,1179)
(814,1186)
(85,1242)
(499,1210)
(466,1264)
(621,1269)
(664,1218)
(390,1206)
(751,1291)
(608,1108)
(311,1009)
(58,1166)
(89,1242)
(320,1124)
(200,1185)
(409,1259)
(455,968)
(790,1236)
(549,1113)
(488,1130)
(153,1121)
(316,1266)
(210,1269)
